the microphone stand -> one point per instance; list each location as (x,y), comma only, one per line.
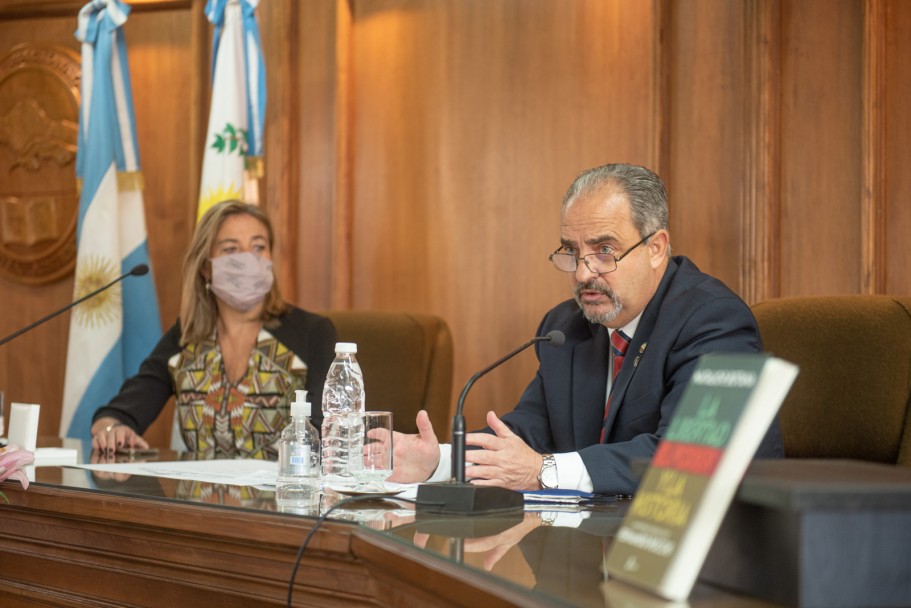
(138,270)
(460,497)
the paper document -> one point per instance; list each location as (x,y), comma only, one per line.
(231,472)
(564,497)
(56,456)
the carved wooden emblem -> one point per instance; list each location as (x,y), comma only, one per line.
(39,198)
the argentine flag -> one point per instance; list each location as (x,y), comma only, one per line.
(232,160)
(111,333)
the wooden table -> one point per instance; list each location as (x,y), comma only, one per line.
(73,539)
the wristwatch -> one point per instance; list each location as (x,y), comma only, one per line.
(547,477)
(547,518)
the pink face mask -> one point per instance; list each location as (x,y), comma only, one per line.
(241,280)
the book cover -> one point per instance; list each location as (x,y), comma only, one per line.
(724,413)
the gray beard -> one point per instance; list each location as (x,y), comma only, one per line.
(592,317)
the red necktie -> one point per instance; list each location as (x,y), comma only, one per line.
(619,342)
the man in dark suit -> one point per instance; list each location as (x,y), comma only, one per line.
(578,425)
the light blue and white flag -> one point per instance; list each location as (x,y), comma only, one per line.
(111,333)
(232,159)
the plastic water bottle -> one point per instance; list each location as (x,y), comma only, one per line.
(297,489)
(343,406)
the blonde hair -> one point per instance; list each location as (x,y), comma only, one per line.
(198,309)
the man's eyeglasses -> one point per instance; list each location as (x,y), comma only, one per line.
(599,263)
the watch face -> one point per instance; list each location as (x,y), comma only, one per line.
(549,473)
(549,477)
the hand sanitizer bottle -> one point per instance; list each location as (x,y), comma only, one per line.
(297,489)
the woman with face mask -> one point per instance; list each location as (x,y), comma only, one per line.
(236,355)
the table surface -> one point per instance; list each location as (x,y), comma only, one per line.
(553,558)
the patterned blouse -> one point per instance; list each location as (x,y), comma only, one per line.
(222,419)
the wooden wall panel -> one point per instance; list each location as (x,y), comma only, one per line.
(897,144)
(470,120)
(417,151)
(821,144)
(281,180)
(707,104)
(166,72)
(31,368)
(163,72)
(322,78)
(761,201)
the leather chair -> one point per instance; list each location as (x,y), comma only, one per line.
(407,361)
(851,398)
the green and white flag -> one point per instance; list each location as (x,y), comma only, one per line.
(232,162)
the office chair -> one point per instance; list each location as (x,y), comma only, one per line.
(851,398)
(407,361)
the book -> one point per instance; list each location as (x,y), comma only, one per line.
(723,415)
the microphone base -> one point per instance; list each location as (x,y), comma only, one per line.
(467,499)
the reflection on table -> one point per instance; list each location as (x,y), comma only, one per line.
(548,557)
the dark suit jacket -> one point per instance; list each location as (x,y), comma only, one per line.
(691,314)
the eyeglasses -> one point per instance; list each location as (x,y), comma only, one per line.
(599,263)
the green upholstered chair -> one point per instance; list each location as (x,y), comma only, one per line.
(407,360)
(851,398)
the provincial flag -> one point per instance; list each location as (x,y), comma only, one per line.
(111,333)
(232,160)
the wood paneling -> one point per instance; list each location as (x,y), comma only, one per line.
(22,378)
(707,97)
(65,547)
(896,206)
(417,152)
(872,226)
(821,145)
(59,544)
(761,202)
(469,124)
(163,74)
(321,25)
(280,44)
(166,74)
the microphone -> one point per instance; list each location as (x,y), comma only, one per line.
(137,271)
(460,497)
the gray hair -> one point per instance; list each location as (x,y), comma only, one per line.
(642,187)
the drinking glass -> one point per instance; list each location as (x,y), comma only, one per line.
(377,454)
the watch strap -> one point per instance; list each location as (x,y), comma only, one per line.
(547,476)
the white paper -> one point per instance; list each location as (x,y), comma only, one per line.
(231,472)
(56,456)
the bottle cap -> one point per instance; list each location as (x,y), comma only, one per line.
(300,407)
(345,348)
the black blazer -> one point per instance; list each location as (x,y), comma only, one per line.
(142,397)
(562,409)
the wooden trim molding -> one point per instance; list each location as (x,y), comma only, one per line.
(872,204)
(283,152)
(761,193)
(343,209)
(660,153)
(29,9)
(200,44)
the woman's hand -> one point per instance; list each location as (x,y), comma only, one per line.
(110,434)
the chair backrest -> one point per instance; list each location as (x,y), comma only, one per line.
(407,360)
(851,398)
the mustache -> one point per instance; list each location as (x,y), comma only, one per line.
(592,285)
